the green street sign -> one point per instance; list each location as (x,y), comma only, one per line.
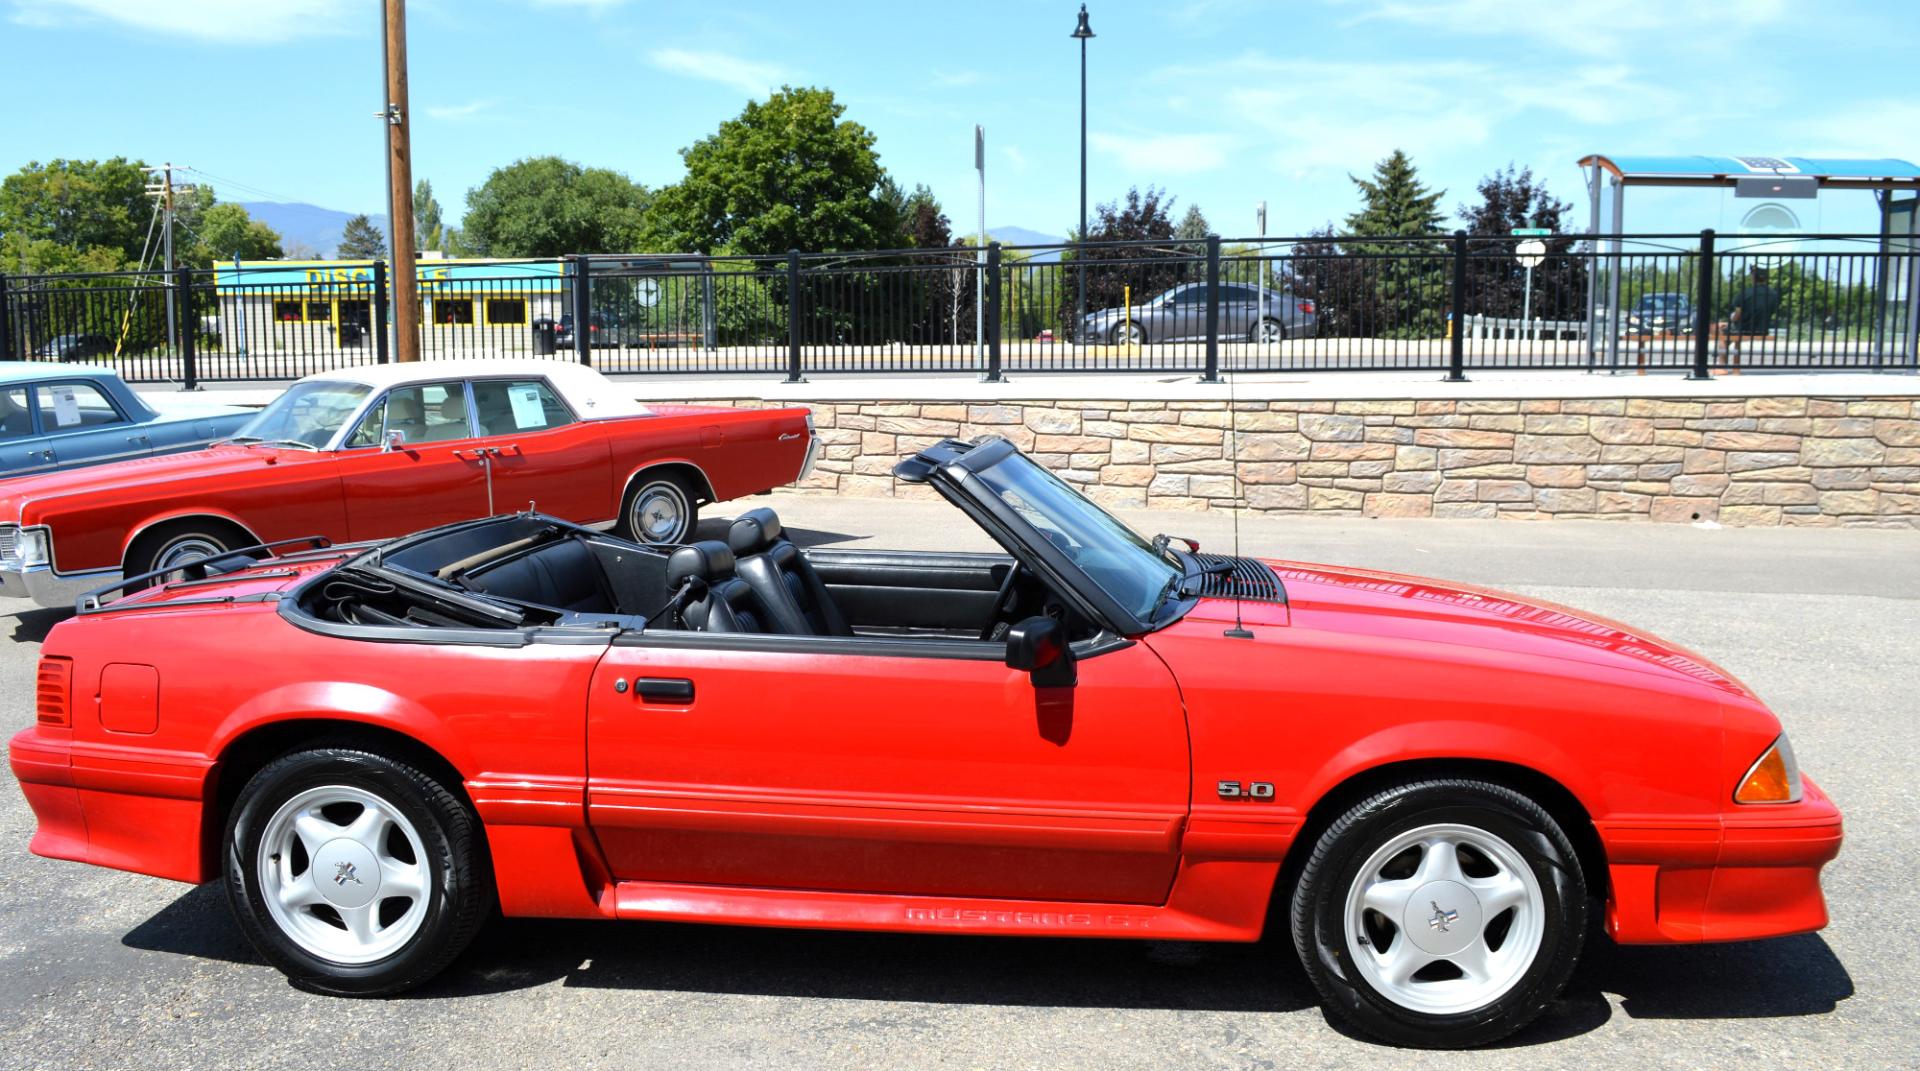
(1532,232)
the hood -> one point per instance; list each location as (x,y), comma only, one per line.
(18,494)
(1417,610)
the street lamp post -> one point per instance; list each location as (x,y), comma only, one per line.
(1081,33)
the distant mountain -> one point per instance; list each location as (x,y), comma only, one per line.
(1022,236)
(305,226)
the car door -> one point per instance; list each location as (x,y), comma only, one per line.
(1189,313)
(905,767)
(80,424)
(435,474)
(539,454)
(1239,310)
(21,448)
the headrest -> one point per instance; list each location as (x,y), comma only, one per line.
(753,531)
(707,560)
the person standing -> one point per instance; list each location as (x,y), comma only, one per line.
(1750,317)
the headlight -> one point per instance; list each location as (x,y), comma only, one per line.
(27,547)
(1773,778)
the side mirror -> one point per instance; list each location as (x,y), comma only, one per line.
(395,440)
(1039,646)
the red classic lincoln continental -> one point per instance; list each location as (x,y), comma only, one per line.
(371,453)
(1430,787)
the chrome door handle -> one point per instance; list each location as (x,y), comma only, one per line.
(500,451)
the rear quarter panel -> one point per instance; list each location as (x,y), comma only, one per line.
(740,450)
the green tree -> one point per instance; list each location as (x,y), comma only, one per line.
(548,207)
(1145,269)
(430,231)
(361,240)
(1395,203)
(71,215)
(789,173)
(225,231)
(1193,226)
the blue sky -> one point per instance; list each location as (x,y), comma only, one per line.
(1222,102)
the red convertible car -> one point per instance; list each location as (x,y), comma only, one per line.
(1430,788)
(375,452)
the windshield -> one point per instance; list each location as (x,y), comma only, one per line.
(1109,552)
(309,413)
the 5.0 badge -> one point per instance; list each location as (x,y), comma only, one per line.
(1250,790)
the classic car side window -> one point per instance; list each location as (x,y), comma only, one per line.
(429,413)
(368,433)
(73,406)
(506,406)
(15,421)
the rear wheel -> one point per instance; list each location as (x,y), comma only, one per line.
(1268,331)
(660,510)
(353,873)
(1443,914)
(1131,334)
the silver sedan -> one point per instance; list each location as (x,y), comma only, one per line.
(1248,312)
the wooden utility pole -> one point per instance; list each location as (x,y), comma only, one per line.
(405,280)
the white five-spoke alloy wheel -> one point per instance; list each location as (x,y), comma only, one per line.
(1444,918)
(343,874)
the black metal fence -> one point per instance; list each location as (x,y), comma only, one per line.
(1449,304)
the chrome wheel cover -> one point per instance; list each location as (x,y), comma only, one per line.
(333,876)
(1421,912)
(1271,331)
(188,549)
(659,513)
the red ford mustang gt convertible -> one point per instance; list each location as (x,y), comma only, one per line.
(1432,788)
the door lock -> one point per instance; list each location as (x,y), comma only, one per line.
(620,685)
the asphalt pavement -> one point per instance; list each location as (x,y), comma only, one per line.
(111,970)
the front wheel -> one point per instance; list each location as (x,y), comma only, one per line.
(1129,334)
(1442,914)
(1268,332)
(354,873)
(661,510)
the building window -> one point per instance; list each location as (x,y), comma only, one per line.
(287,311)
(453,311)
(319,312)
(506,310)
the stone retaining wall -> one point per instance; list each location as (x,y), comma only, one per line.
(1755,461)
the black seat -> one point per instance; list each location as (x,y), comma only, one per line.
(564,575)
(711,598)
(783,578)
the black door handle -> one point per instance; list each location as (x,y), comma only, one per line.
(664,689)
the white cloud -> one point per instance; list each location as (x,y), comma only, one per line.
(1164,154)
(453,113)
(1873,129)
(1015,158)
(231,21)
(1594,27)
(749,77)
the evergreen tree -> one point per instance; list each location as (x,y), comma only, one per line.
(361,240)
(1396,203)
(1396,289)
(430,232)
(1193,226)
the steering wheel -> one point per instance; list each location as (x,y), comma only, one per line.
(1001,602)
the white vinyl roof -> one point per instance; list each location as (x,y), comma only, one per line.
(586,391)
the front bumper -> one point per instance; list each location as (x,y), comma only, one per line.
(1749,874)
(50,589)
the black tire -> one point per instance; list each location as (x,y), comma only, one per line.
(458,885)
(1118,336)
(1280,330)
(160,541)
(1320,910)
(677,489)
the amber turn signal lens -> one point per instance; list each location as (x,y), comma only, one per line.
(1775,778)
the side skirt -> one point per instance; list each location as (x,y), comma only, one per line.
(1211,901)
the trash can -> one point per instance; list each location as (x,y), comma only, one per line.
(544,331)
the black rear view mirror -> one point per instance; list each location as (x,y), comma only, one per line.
(1039,646)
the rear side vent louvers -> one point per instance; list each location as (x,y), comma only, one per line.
(54,691)
(1250,580)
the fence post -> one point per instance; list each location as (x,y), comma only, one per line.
(793,318)
(382,337)
(993,374)
(189,326)
(6,321)
(582,310)
(1457,337)
(1703,309)
(1212,374)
